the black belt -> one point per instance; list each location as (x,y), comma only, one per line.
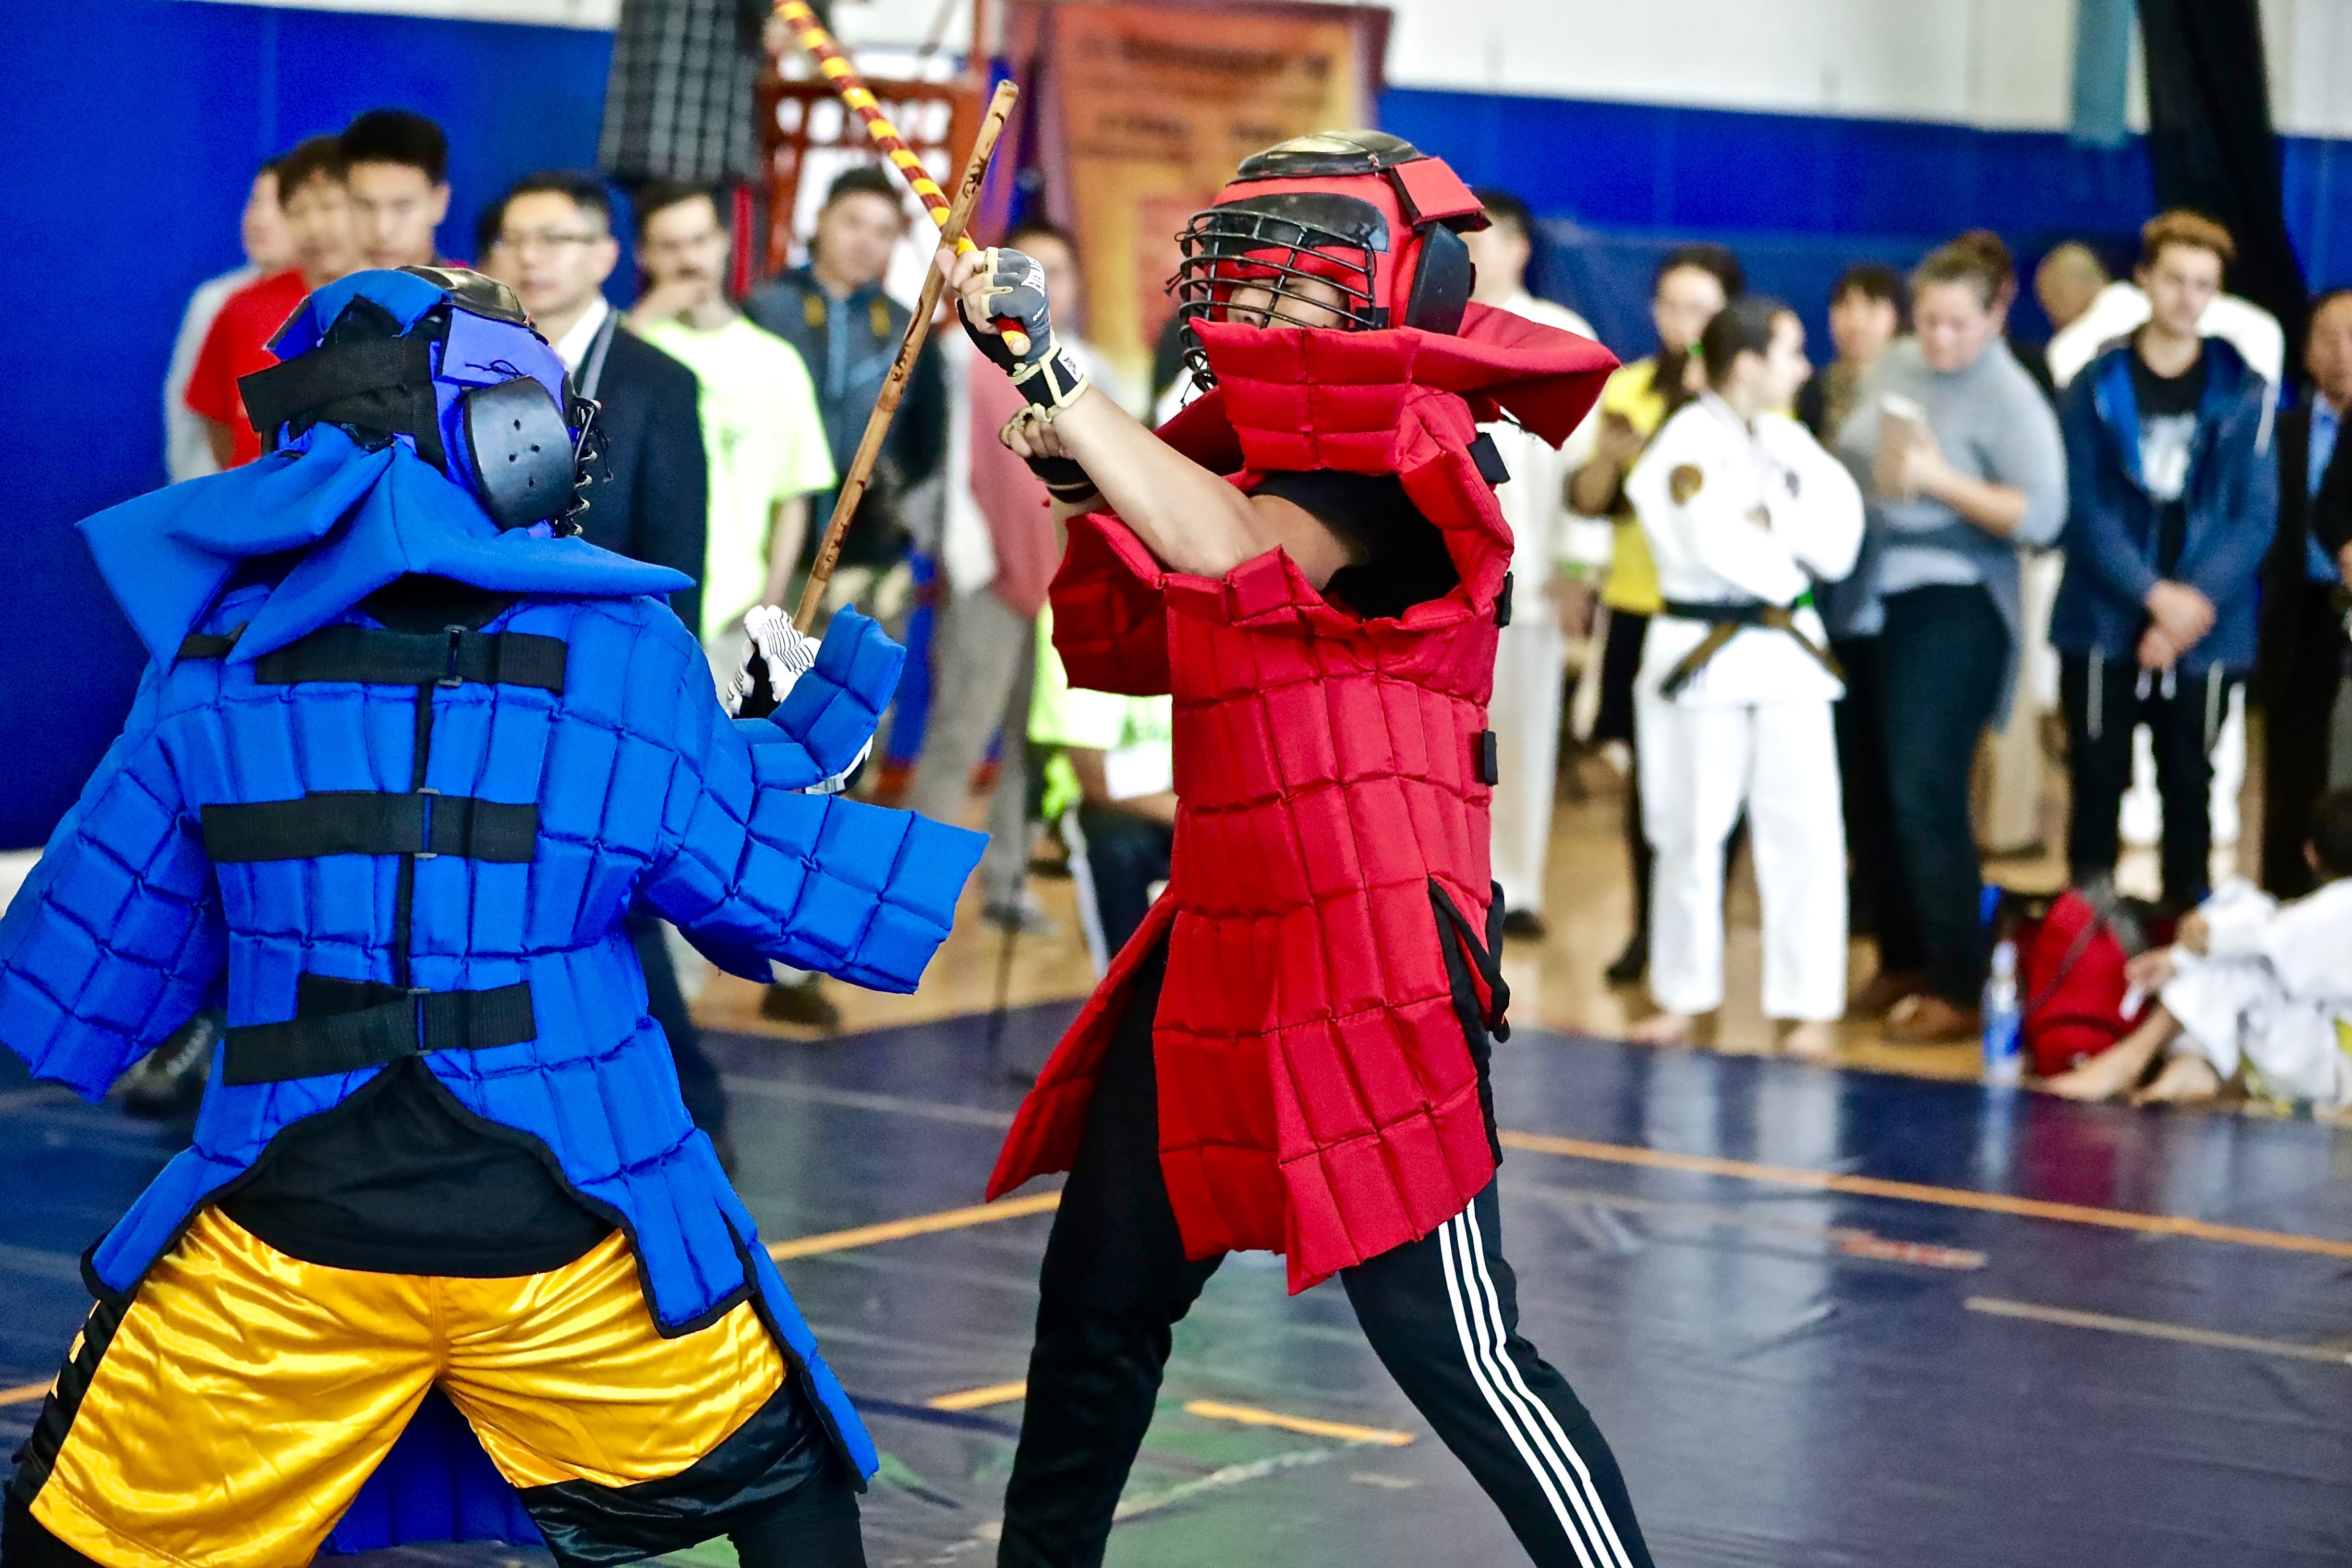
(1726,622)
(424,823)
(373,658)
(342,1025)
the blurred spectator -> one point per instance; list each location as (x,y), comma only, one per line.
(2068,279)
(847,332)
(318,214)
(551,239)
(2117,311)
(762,438)
(2174,498)
(1110,782)
(1557,557)
(1692,283)
(2303,643)
(2249,985)
(399,176)
(1869,308)
(187,449)
(998,550)
(1961,462)
(1744,511)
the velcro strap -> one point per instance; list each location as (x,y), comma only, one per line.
(372,383)
(366,822)
(1489,459)
(450,658)
(211,644)
(342,1025)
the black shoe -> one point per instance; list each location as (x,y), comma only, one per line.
(170,1081)
(804,1004)
(1632,964)
(1525,923)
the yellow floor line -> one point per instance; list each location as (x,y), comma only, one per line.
(917,1225)
(25,1395)
(980,1399)
(1208,1409)
(1920,1192)
(1249,1417)
(2067,1318)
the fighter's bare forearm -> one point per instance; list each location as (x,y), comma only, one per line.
(1191,519)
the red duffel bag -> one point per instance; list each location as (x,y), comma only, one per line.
(2071,977)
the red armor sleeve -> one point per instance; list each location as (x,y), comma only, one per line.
(1110,611)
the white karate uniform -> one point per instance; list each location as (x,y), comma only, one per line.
(1531,654)
(1740,516)
(2272,991)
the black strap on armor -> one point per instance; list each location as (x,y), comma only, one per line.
(422,822)
(449,658)
(342,1025)
(1489,459)
(377,383)
(211,644)
(1726,621)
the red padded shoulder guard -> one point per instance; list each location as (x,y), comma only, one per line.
(1110,611)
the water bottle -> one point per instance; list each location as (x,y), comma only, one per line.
(2003,1064)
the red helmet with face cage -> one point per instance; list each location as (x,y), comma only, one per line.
(1373,220)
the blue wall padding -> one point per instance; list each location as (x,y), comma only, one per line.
(136,123)
(134,128)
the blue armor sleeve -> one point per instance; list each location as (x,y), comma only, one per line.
(750,868)
(117,937)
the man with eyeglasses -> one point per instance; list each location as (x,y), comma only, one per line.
(766,442)
(550,240)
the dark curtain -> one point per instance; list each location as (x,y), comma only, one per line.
(2210,141)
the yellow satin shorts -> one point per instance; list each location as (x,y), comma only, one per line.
(244,1396)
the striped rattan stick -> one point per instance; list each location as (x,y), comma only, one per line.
(810,33)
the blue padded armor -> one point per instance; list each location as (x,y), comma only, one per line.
(646,791)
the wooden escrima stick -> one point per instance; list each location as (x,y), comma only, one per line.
(953,218)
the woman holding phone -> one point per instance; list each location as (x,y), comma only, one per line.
(1960,458)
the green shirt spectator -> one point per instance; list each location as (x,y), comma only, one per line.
(766,446)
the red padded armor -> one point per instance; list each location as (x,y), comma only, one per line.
(1318,1095)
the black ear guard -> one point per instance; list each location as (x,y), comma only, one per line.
(522,451)
(1441,284)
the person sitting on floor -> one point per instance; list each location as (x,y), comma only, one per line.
(2248,983)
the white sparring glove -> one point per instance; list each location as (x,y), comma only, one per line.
(777,644)
(788,655)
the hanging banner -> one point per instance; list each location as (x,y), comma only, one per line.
(1151,105)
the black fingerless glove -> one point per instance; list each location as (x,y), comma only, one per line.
(1015,292)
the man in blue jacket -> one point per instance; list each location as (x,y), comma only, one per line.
(447,1257)
(2173,498)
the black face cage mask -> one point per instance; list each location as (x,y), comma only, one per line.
(1270,236)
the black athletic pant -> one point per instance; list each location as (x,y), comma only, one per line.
(1441,1313)
(2306,668)
(1941,659)
(2101,715)
(1874,902)
(1620,661)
